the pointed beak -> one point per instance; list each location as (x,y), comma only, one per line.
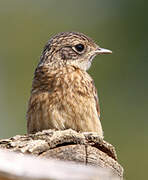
(103,51)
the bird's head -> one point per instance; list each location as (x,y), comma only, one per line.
(70,48)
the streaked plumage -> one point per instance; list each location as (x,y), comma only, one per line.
(63,94)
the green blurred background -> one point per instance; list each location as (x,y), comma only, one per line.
(121,78)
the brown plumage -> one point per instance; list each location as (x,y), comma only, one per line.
(63,94)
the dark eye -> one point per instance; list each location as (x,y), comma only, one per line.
(79,47)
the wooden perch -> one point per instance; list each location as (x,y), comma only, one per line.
(68,145)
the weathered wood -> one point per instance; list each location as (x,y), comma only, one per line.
(74,153)
(19,166)
(68,145)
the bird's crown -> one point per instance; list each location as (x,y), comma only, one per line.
(70,48)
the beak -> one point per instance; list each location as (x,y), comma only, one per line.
(103,51)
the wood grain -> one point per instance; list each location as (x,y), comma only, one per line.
(68,145)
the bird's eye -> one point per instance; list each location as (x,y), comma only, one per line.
(79,47)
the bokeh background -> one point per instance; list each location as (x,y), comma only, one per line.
(121,78)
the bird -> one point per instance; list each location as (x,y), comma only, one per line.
(63,94)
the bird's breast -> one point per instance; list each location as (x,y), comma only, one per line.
(65,100)
(73,83)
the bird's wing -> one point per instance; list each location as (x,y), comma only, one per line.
(96,99)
